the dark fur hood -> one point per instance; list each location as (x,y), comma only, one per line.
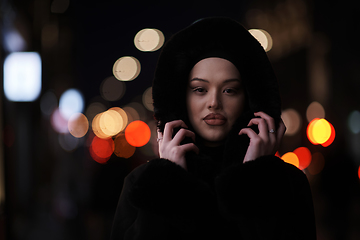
(182,51)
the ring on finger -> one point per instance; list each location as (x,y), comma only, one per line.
(272,131)
(158,139)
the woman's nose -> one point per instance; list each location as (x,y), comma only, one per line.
(214,101)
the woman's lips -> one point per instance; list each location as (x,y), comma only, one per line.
(215,119)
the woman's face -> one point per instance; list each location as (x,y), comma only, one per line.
(215,98)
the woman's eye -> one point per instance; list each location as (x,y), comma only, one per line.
(229,91)
(200,90)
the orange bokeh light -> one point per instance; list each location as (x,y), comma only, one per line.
(309,131)
(101,149)
(291,158)
(304,156)
(137,133)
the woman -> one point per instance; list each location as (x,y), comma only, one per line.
(217,104)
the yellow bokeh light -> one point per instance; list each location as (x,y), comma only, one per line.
(321,131)
(315,110)
(123,115)
(263,37)
(292,121)
(126,68)
(78,125)
(96,127)
(291,158)
(111,122)
(149,40)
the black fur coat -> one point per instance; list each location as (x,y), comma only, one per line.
(261,199)
(219,197)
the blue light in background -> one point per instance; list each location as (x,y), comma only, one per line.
(71,102)
(22,76)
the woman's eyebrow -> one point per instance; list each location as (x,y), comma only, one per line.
(226,81)
(198,79)
(232,80)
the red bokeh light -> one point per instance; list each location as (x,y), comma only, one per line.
(101,149)
(332,137)
(304,156)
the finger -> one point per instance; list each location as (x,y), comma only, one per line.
(189,147)
(181,134)
(169,128)
(269,120)
(159,136)
(263,127)
(249,132)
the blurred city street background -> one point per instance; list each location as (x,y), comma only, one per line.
(76,114)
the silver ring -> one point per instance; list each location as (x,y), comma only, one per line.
(158,139)
(272,131)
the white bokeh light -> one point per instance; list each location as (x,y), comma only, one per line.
(22,76)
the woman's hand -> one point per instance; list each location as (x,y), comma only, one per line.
(267,141)
(170,148)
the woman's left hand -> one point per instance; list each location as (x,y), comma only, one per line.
(267,141)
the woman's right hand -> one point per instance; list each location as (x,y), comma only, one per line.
(170,148)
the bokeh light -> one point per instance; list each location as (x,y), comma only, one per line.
(292,121)
(126,68)
(354,122)
(304,156)
(137,133)
(315,110)
(22,76)
(291,158)
(320,131)
(147,99)
(124,117)
(122,148)
(149,40)
(359,172)
(78,125)
(263,37)
(71,101)
(101,149)
(331,138)
(317,163)
(58,122)
(112,89)
(111,122)
(95,125)
(48,103)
